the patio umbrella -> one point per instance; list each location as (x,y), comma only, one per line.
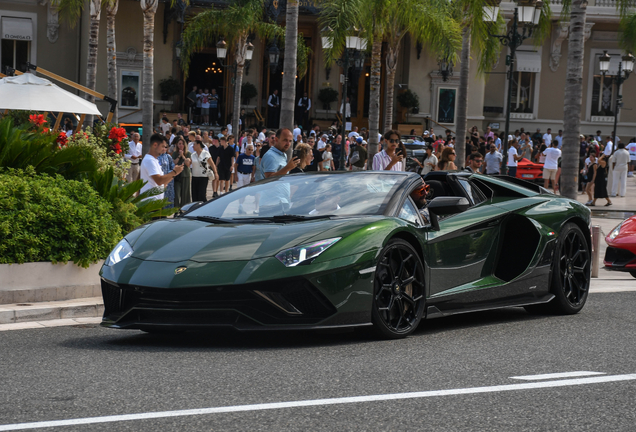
(31,93)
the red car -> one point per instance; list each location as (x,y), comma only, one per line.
(528,170)
(621,247)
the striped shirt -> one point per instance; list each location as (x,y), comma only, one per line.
(382,160)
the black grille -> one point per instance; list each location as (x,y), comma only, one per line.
(112,298)
(618,257)
(129,304)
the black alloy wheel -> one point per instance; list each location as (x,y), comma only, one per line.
(571,268)
(398,302)
(633,273)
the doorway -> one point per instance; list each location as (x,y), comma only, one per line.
(206,71)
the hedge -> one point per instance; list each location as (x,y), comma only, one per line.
(46,218)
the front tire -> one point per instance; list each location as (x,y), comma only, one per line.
(398,299)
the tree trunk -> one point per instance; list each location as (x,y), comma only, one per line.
(93,40)
(149,8)
(573,100)
(391,68)
(241,50)
(374,98)
(290,67)
(462,99)
(111,49)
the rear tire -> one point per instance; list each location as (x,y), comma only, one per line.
(633,273)
(398,298)
(570,274)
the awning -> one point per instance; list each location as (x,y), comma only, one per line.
(17,28)
(28,92)
(527,61)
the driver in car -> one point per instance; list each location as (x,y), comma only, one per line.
(419,195)
(326,204)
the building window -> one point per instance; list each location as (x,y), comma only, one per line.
(523,86)
(15,53)
(604,91)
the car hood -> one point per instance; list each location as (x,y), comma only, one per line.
(177,240)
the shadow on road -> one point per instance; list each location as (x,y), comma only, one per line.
(231,340)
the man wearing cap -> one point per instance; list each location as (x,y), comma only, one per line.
(427,138)
(359,155)
(322,143)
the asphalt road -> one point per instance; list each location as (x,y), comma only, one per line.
(86,371)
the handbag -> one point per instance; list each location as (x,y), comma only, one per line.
(206,169)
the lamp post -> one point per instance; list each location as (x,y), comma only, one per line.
(526,15)
(354,47)
(244,54)
(625,66)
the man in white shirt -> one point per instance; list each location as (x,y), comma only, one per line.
(631,148)
(548,138)
(165,125)
(151,171)
(297,132)
(354,133)
(513,158)
(261,135)
(608,147)
(347,110)
(133,155)
(598,137)
(559,139)
(620,166)
(493,161)
(322,143)
(551,166)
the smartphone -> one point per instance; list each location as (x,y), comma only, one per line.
(294,154)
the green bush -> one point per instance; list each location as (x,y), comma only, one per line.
(327,95)
(44,218)
(248,92)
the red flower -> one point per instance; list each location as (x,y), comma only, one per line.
(117,134)
(62,139)
(37,119)
(117,148)
(45,130)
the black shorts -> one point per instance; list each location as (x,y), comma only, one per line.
(225,173)
(197,111)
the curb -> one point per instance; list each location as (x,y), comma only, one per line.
(43,311)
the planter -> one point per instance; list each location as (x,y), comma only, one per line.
(43,281)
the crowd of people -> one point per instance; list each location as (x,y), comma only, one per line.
(198,158)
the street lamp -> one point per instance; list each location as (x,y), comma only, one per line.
(221,49)
(626,66)
(527,14)
(354,47)
(274,55)
(445,67)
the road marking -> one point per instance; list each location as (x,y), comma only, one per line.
(318,402)
(557,375)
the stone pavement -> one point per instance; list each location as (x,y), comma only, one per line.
(89,310)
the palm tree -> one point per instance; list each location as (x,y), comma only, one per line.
(71,11)
(475,36)
(427,22)
(577,10)
(235,23)
(288,96)
(149,9)
(383,20)
(111,50)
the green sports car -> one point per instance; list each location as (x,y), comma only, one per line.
(329,250)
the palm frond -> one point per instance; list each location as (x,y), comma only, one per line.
(628,33)
(339,16)
(70,10)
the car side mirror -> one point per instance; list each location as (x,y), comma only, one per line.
(445,205)
(188,208)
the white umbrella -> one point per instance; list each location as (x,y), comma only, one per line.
(30,93)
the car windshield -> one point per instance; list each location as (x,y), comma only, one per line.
(304,196)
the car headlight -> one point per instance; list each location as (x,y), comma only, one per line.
(293,256)
(616,231)
(119,253)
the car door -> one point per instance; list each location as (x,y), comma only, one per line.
(460,257)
